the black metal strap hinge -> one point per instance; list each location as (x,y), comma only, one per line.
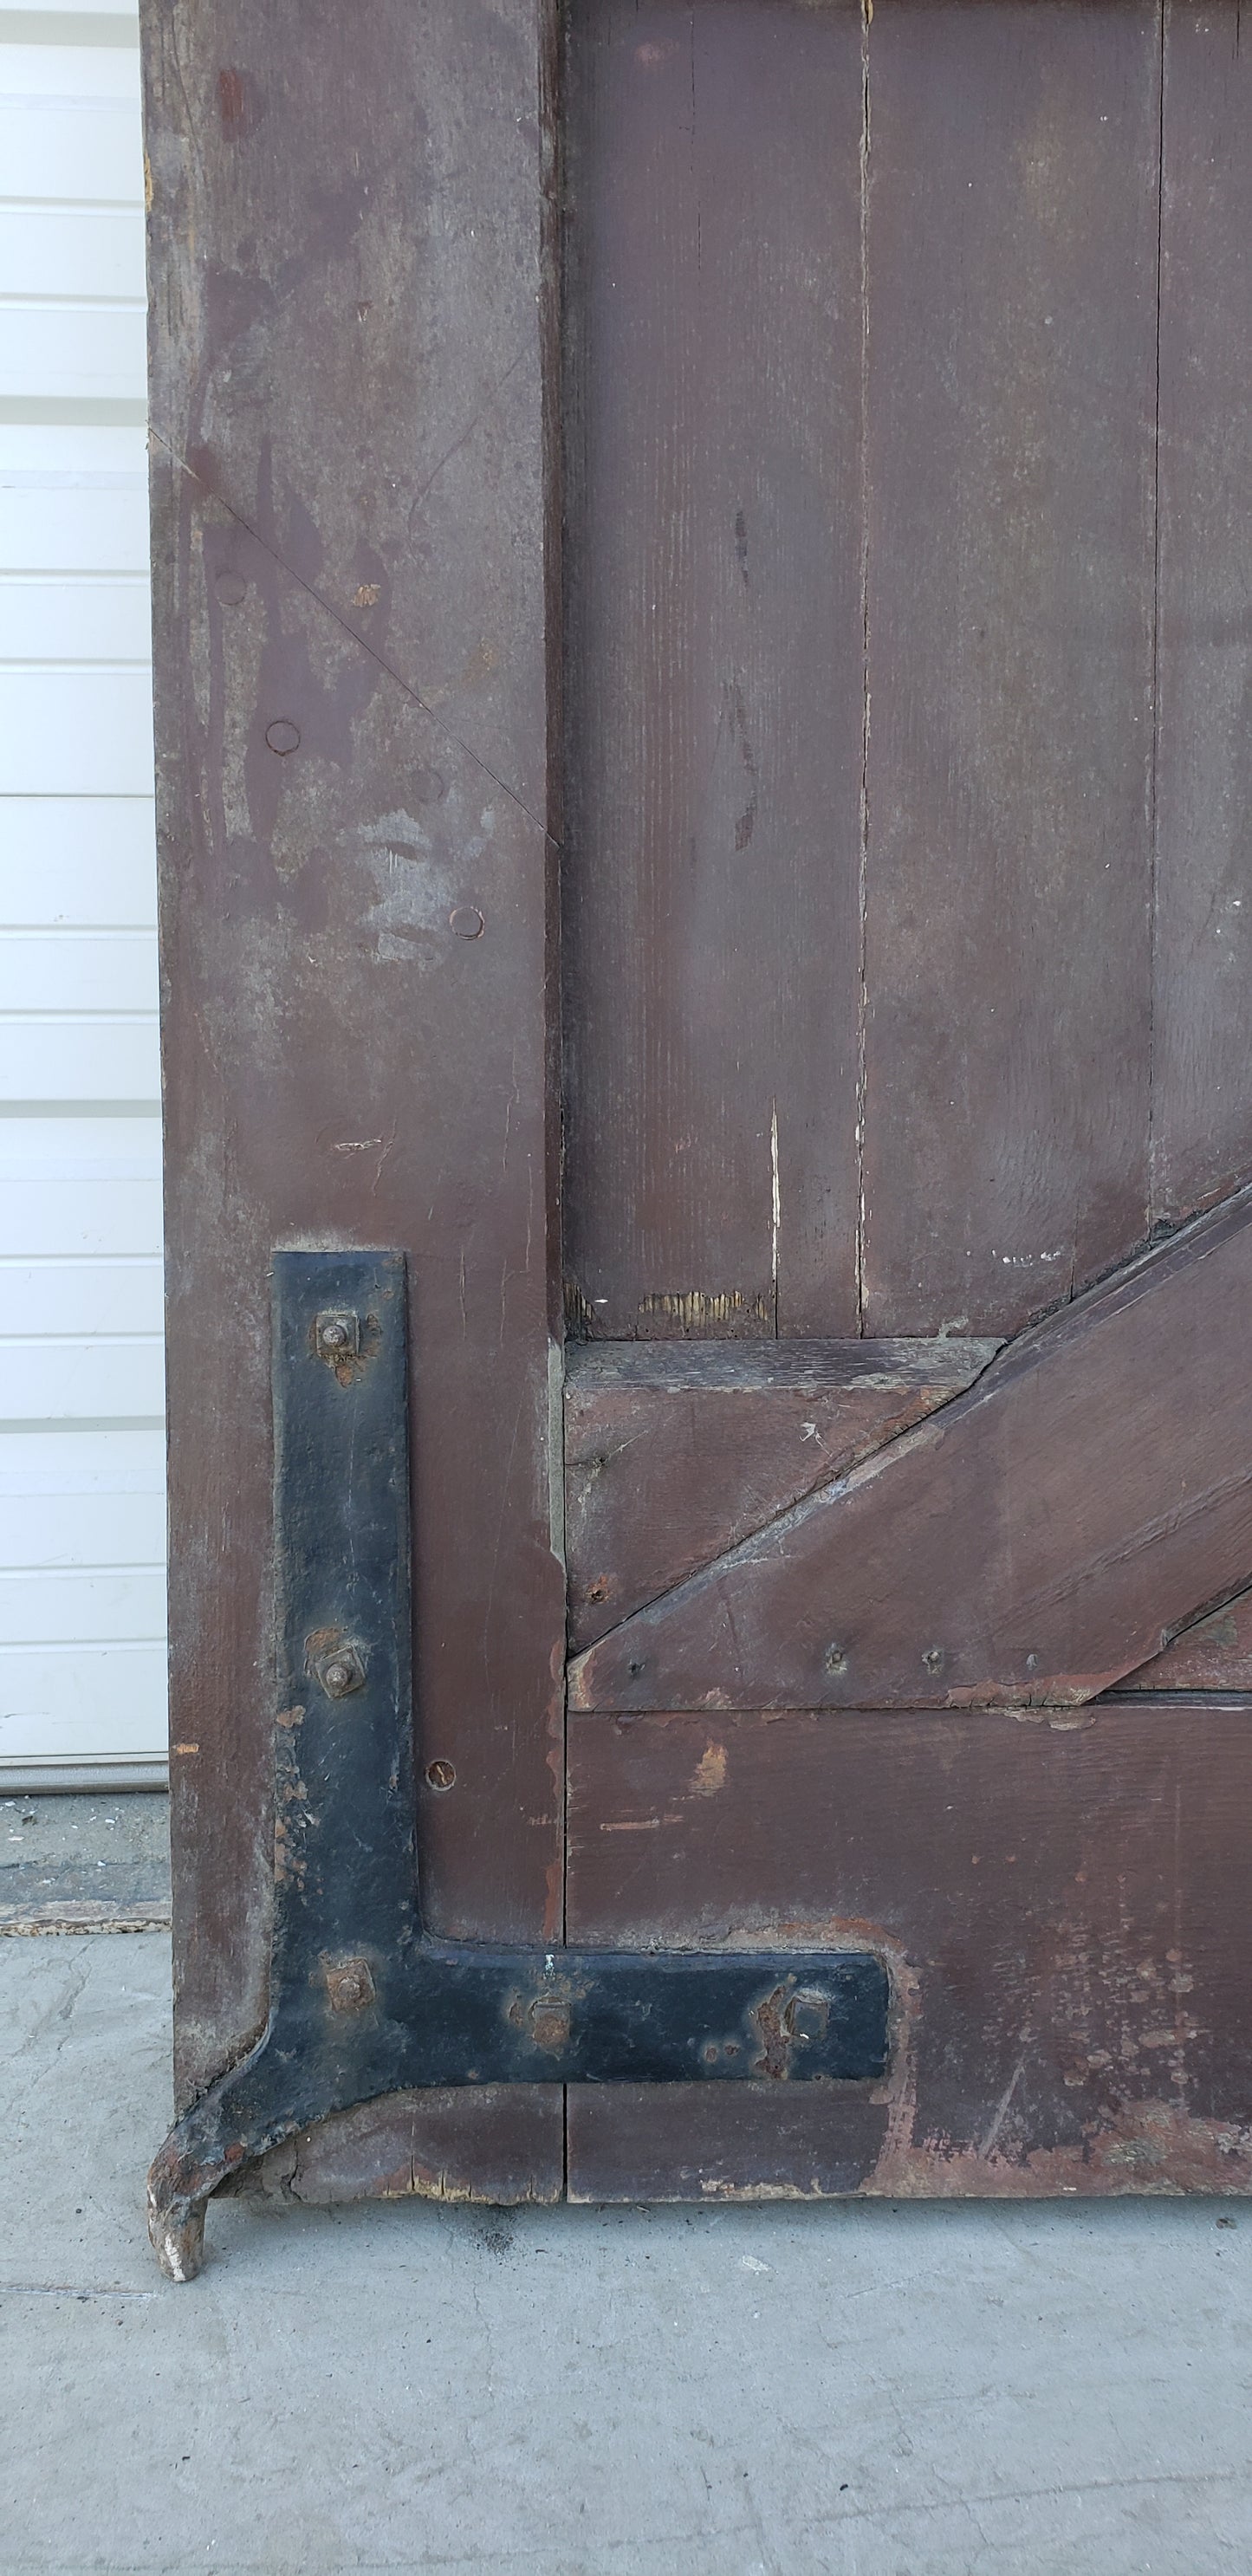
(363,2001)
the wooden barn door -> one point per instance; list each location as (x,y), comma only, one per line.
(704,572)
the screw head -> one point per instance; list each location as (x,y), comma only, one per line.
(467,921)
(440,1775)
(283,736)
(336,1337)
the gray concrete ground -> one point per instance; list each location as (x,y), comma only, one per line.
(67,1859)
(775,2391)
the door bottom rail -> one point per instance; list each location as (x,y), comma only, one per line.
(363,2001)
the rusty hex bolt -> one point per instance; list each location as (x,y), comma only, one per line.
(340,1670)
(550,2023)
(350,1985)
(337,1336)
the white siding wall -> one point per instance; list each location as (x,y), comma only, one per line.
(82,1656)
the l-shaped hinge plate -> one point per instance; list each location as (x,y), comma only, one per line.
(363,2001)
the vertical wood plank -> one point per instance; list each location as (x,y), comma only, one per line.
(714,669)
(1012,257)
(1202,1065)
(351,711)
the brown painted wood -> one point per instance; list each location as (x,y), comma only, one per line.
(1034,1542)
(1055,1891)
(1214,1654)
(500,2143)
(1011,264)
(1202,1065)
(714,666)
(349,324)
(675,1452)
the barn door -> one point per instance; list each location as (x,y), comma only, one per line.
(702,568)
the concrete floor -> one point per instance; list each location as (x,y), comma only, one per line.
(778,2391)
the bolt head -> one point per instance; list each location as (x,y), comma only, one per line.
(807,2017)
(340,1670)
(550,2023)
(337,1337)
(350,1985)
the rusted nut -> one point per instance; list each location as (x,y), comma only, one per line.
(349,1985)
(807,2017)
(550,2024)
(337,1336)
(340,1669)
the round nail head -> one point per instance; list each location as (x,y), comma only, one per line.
(231,588)
(282,736)
(467,921)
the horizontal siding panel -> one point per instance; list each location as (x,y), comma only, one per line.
(69,1530)
(111,9)
(68,620)
(104,1605)
(78,861)
(90,75)
(95,1147)
(89,733)
(76,153)
(80,1297)
(70,970)
(72,253)
(60,1218)
(79,1060)
(61,1379)
(85,1702)
(110,1460)
(64,452)
(100,528)
(71,353)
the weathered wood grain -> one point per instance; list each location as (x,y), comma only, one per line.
(1055,1893)
(1202,1065)
(1034,1542)
(1214,1654)
(673,1453)
(714,666)
(347,408)
(1011,256)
